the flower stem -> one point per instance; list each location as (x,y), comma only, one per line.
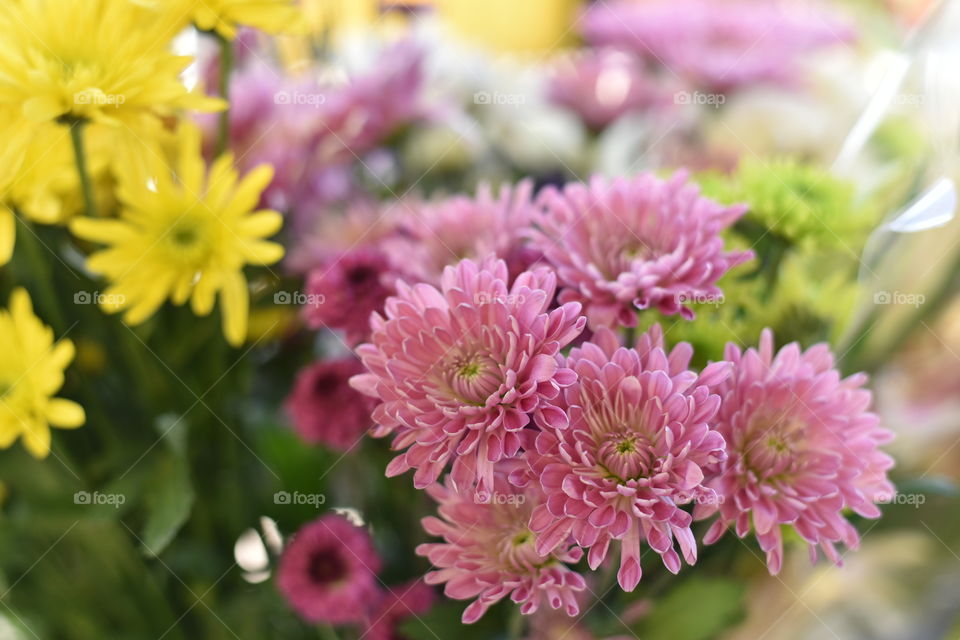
(80,155)
(226,68)
(515,624)
(41,271)
(327,632)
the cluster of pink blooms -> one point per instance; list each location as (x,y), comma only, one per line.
(640,56)
(328,573)
(543,441)
(314,133)
(717,46)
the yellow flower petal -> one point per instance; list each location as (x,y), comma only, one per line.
(8,234)
(43,108)
(259,252)
(102,231)
(36,439)
(248,191)
(65,414)
(236,304)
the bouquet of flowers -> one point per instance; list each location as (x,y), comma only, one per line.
(367,333)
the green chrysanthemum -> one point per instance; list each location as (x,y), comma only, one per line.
(810,302)
(799,203)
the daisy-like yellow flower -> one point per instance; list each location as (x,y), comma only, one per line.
(226,16)
(31,372)
(101,60)
(184,234)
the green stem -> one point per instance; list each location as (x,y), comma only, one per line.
(41,273)
(515,625)
(226,68)
(773,260)
(79,154)
(327,632)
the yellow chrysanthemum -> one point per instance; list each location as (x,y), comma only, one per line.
(102,60)
(226,16)
(31,372)
(184,237)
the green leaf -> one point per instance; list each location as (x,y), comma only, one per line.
(697,609)
(169,499)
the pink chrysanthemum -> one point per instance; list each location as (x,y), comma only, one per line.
(396,605)
(344,291)
(436,234)
(325,409)
(462,369)
(312,132)
(489,551)
(718,46)
(328,571)
(802,448)
(635,244)
(638,441)
(602,85)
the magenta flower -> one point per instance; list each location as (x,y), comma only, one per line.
(325,409)
(396,605)
(461,369)
(436,234)
(635,244)
(343,292)
(328,571)
(802,449)
(718,46)
(602,85)
(639,439)
(489,552)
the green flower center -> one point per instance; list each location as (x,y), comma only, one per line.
(469,370)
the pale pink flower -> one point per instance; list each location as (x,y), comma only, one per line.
(325,409)
(604,84)
(396,605)
(461,369)
(635,243)
(343,292)
(802,448)
(432,235)
(489,551)
(717,46)
(328,571)
(638,441)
